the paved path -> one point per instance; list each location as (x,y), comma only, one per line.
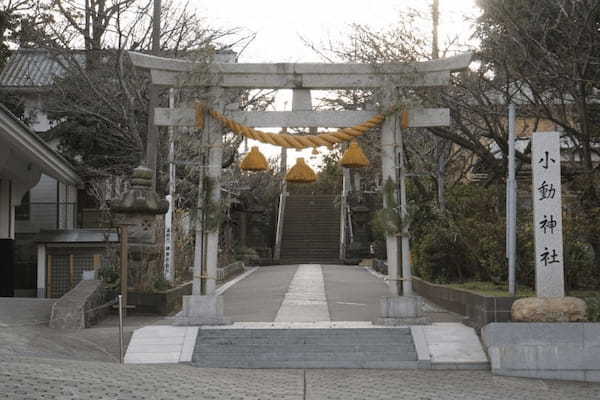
(289,293)
(35,378)
(259,296)
(39,363)
(305,299)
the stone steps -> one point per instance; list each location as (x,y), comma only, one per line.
(311,229)
(307,247)
(305,348)
(316,260)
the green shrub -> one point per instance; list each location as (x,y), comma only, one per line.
(109,275)
(593,308)
(467,241)
(246,255)
(441,257)
(160,284)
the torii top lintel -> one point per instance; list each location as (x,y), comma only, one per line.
(168,72)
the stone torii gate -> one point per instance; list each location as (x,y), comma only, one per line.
(221,79)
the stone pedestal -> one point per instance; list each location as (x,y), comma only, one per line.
(202,310)
(402,310)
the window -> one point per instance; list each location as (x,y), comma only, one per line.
(23,211)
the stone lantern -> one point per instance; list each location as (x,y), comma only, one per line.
(136,212)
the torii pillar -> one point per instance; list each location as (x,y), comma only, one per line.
(204,306)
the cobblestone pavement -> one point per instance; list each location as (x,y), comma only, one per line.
(51,379)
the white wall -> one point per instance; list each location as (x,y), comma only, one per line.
(50,207)
(43,211)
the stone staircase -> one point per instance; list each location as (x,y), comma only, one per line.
(391,347)
(311,230)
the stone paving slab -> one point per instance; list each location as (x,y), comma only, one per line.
(25,311)
(161,344)
(454,345)
(68,380)
(51,379)
(259,296)
(352,293)
(305,299)
(438,385)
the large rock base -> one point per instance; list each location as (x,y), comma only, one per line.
(549,309)
(201,310)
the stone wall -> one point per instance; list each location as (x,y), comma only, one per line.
(567,351)
(163,303)
(81,307)
(480,309)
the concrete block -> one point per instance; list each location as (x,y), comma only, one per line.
(201,310)
(160,331)
(564,356)
(189,343)
(566,351)
(418,336)
(512,358)
(591,356)
(535,333)
(140,348)
(152,358)
(401,307)
(591,333)
(159,341)
(592,376)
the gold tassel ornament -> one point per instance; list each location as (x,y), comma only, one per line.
(354,157)
(301,173)
(254,161)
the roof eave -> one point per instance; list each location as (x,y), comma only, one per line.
(27,142)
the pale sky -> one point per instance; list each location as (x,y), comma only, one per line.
(281,24)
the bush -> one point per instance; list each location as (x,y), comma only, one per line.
(467,241)
(246,254)
(593,308)
(441,258)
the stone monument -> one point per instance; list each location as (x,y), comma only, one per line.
(137,209)
(550,305)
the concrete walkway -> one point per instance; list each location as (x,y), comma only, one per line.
(312,296)
(305,299)
(351,293)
